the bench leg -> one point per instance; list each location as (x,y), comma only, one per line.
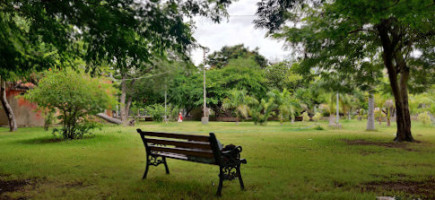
(221,179)
(146,170)
(240,178)
(166,165)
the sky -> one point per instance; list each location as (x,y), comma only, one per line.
(238,29)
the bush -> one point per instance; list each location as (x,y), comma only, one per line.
(424,118)
(172,112)
(317,116)
(75,95)
(305,117)
(156,111)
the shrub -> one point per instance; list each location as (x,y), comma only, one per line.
(305,116)
(156,112)
(424,118)
(317,116)
(75,95)
(262,111)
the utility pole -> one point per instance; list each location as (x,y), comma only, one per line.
(204,119)
(166,118)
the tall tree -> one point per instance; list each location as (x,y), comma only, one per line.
(221,58)
(126,34)
(337,35)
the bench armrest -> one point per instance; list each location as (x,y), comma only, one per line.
(233,156)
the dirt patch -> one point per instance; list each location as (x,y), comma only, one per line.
(400,145)
(13,186)
(415,189)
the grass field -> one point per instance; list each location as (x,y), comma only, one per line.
(290,161)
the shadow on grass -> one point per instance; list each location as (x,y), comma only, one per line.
(52,140)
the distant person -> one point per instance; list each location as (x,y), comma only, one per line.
(180,117)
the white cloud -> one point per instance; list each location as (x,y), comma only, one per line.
(239,29)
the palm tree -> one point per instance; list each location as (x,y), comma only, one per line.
(261,111)
(238,101)
(286,104)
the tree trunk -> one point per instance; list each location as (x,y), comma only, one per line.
(109,119)
(128,105)
(124,114)
(371,113)
(392,52)
(6,107)
(388,116)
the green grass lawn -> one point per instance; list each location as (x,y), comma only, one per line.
(290,161)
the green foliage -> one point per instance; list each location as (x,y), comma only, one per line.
(238,101)
(424,102)
(262,111)
(186,89)
(173,112)
(156,111)
(309,97)
(76,96)
(317,116)
(424,118)
(220,59)
(305,117)
(287,104)
(283,75)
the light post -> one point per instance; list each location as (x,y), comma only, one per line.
(204,118)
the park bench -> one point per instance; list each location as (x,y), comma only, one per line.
(194,148)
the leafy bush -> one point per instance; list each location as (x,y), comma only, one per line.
(262,111)
(319,128)
(75,95)
(173,112)
(424,118)
(156,111)
(317,116)
(305,116)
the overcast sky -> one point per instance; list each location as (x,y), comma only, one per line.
(239,29)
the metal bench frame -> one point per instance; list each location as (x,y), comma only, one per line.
(196,146)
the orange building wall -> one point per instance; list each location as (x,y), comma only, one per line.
(25,111)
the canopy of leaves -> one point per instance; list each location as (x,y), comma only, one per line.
(125,32)
(221,58)
(340,37)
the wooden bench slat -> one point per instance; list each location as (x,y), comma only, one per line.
(183,157)
(189,144)
(187,152)
(171,155)
(178,136)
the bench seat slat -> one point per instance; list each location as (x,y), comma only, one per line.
(184,157)
(189,144)
(178,136)
(187,152)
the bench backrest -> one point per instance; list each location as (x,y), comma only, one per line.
(195,148)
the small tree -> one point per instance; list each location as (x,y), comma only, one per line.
(76,96)
(237,100)
(156,112)
(262,110)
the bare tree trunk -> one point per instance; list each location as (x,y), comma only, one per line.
(128,105)
(371,113)
(109,119)
(6,107)
(124,114)
(388,116)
